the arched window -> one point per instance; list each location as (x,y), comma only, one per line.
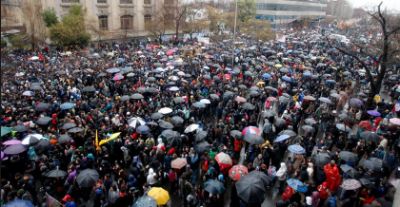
(126,22)
(103,22)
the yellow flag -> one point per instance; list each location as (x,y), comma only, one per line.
(111,138)
(97,141)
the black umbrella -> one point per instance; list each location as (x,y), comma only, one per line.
(165,125)
(64,138)
(264,178)
(75,130)
(137,96)
(200,135)
(56,173)
(43,120)
(69,125)
(248,106)
(350,171)
(370,136)
(87,178)
(157,116)
(20,128)
(268,114)
(236,134)
(321,159)
(88,89)
(214,187)
(202,147)
(43,144)
(279,122)
(173,137)
(42,106)
(348,157)
(288,132)
(250,190)
(373,164)
(177,120)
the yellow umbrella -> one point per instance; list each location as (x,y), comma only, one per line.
(278,65)
(159,194)
(111,138)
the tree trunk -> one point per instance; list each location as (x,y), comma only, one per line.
(177,31)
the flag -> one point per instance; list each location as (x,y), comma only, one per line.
(111,138)
(52,202)
(97,141)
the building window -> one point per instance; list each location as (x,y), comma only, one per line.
(125,2)
(169,2)
(147,1)
(103,22)
(102,1)
(70,1)
(147,18)
(126,22)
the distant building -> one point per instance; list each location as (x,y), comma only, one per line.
(287,11)
(113,18)
(340,9)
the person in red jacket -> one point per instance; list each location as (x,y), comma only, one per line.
(332,175)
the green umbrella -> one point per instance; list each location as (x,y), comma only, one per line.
(5,130)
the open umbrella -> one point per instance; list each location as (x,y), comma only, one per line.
(200,135)
(370,136)
(321,159)
(296,149)
(5,130)
(288,132)
(199,105)
(282,138)
(325,100)
(157,116)
(42,145)
(343,127)
(165,125)
(373,163)
(28,93)
(297,185)
(178,163)
(205,101)
(113,70)
(348,157)
(177,120)
(395,121)
(64,138)
(160,195)
(42,106)
(75,130)
(145,201)
(32,139)
(252,135)
(43,120)
(240,99)
(310,121)
(19,203)
(236,134)
(14,149)
(309,98)
(67,105)
(355,102)
(118,77)
(374,113)
(87,178)
(137,96)
(279,122)
(350,184)
(214,187)
(68,125)
(135,121)
(89,89)
(250,190)
(178,100)
(224,160)
(143,129)
(248,106)
(191,128)
(56,173)
(214,96)
(238,171)
(308,128)
(173,88)
(165,110)
(349,171)
(11,142)
(202,147)
(20,128)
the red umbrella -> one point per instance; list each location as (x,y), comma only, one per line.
(178,163)
(224,160)
(238,171)
(365,125)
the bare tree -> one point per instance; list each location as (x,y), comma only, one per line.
(382,51)
(157,25)
(180,11)
(35,26)
(93,26)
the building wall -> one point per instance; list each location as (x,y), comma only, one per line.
(340,9)
(286,11)
(11,15)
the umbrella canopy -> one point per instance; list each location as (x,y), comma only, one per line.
(43,120)
(279,122)
(370,136)
(238,171)
(349,171)
(199,105)
(19,203)
(200,135)
(178,163)
(343,127)
(75,130)
(202,147)
(118,77)
(20,128)
(264,178)
(308,128)
(88,89)
(178,100)
(165,125)
(11,142)
(177,120)
(224,160)
(205,101)
(14,149)
(137,96)
(43,144)
(373,164)
(32,139)
(42,106)
(157,116)
(145,201)
(248,106)
(310,121)
(250,190)
(321,159)
(113,70)
(135,121)
(309,98)
(252,135)
(214,187)
(28,93)
(325,100)
(173,88)
(160,195)
(214,96)
(268,114)
(355,102)
(348,157)
(67,105)
(68,125)
(297,185)
(350,184)
(56,173)
(143,129)
(236,134)
(395,121)
(170,134)
(5,130)
(64,138)
(296,149)
(191,128)
(282,138)
(165,110)
(87,178)
(240,99)
(374,113)
(288,132)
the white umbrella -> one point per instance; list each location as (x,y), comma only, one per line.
(165,110)
(133,122)
(191,128)
(205,101)
(32,138)
(27,93)
(173,88)
(174,78)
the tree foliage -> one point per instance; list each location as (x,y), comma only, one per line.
(71,31)
(194,25)
(49,17)
(246,10)
(257,29)
(157,26)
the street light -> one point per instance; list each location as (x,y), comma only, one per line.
(234,33)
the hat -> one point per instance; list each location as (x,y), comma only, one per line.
(67,198)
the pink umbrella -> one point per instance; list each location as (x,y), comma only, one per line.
(271,98)
(170,52)
(11,142)
(178,163)
(395,121)
(118,77)
(224,160)
(240,99)
(237,172)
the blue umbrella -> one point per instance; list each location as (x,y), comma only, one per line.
(330,81)
(113,70)
(67,105)
(287,79)
(296,149)
(214,187)
(282,138)
(143,129)
(297,185)
(19,203)
(266,76)
(307,74)
(145,201)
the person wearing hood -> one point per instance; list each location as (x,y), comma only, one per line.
(282,174)
(151,177)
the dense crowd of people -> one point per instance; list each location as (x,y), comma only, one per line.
(287,122)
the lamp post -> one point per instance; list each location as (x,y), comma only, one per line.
(234,33)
